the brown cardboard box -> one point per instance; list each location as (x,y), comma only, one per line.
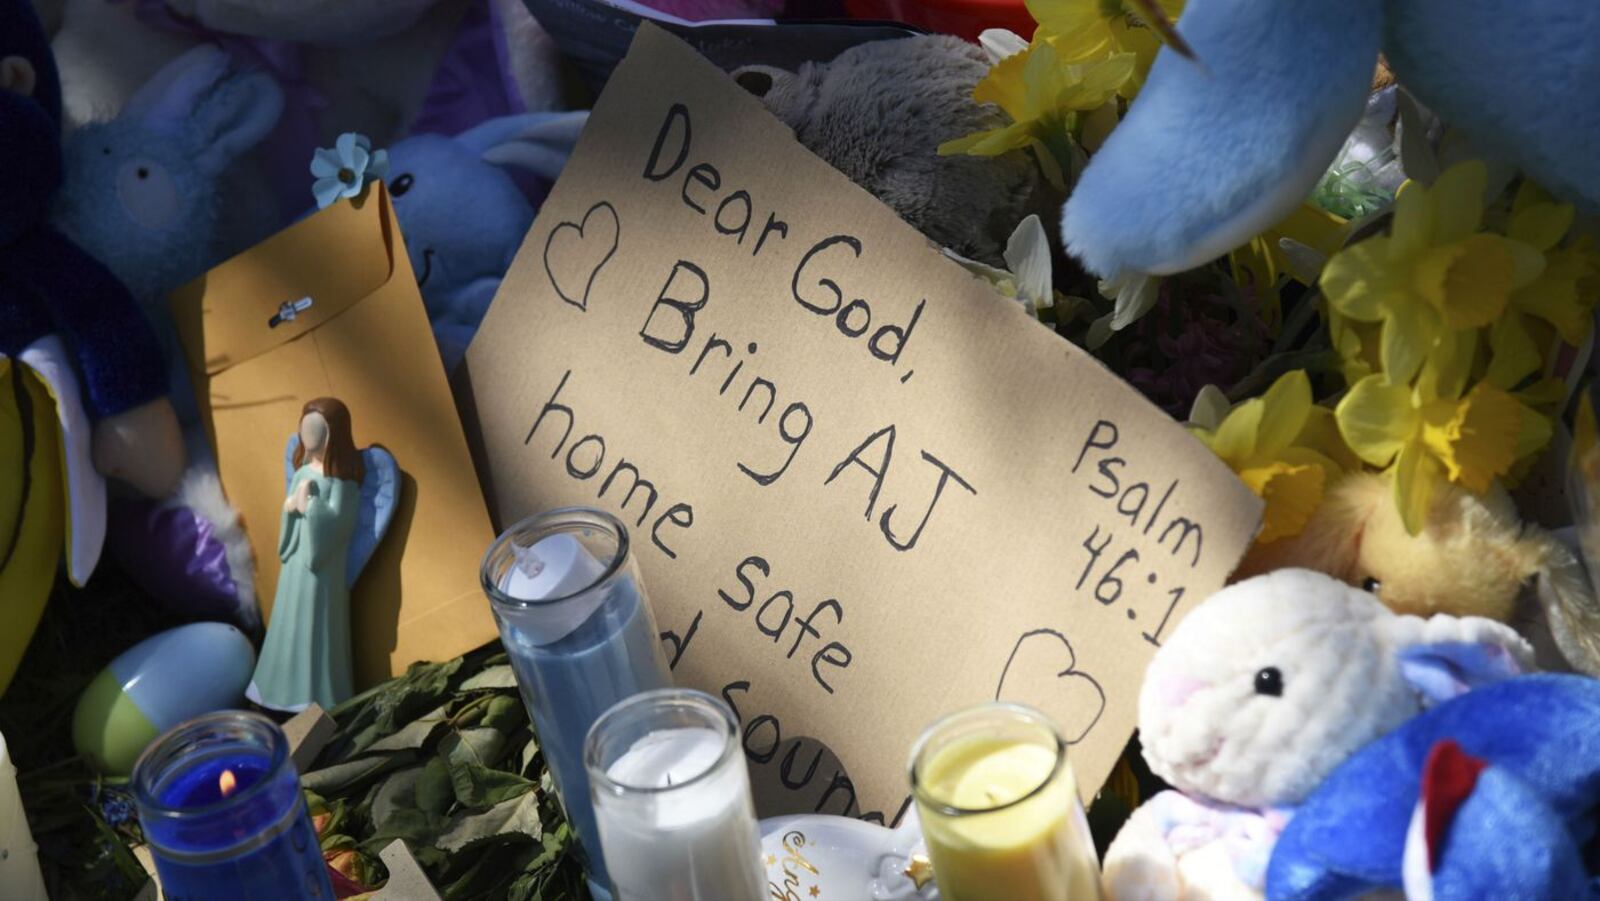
(365,340)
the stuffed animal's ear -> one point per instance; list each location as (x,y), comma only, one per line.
(758,80)
(537,142)
(170,96)
(235,116)
(1445,656)
(201,93)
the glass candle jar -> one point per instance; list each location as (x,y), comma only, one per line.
(221,807)
(577,626)
(999,808)
(672,797)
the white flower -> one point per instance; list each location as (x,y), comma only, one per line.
(344,169)
(1029,279)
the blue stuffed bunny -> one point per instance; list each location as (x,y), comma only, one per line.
(1493,794)
(1216,150)
(144,193)
(463,215)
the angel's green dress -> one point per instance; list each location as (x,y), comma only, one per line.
(306,656)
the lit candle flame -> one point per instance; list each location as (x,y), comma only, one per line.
(227,782)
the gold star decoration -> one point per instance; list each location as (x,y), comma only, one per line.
(919,870)
(815,891)
(770,860)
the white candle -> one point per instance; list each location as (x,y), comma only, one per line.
(555,567)
(19,856)
(676,819)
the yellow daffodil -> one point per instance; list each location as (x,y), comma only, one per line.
(1043,97)
(1276,443)
(1432,275)
(1430,431)
(1562,296)
(1082,30)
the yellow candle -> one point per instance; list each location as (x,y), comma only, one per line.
(1000,811)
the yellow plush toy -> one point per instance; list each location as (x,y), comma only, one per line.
(1473,557)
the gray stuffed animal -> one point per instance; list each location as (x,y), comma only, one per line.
(878,113)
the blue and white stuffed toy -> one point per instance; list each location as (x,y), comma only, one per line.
(1219,148)
(1494,794)
(144,194)
(1260,693)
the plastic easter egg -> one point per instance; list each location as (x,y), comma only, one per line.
(167,678)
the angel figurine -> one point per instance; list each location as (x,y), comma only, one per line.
(338,504)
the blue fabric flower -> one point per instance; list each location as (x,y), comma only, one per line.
(344,169)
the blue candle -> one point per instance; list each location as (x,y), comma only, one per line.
(576,623)
(220,803)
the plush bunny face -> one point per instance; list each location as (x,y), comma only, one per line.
(1272,682)
(462,218)
(1266,686)
(142,190)
(135,202)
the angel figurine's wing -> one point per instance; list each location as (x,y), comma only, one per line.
(288,460)
(380,494)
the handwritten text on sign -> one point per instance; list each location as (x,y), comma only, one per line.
(866,489)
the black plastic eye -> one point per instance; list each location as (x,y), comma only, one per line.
(1369,584)
(1269,681)
(401,184)
(143,172)
(106,151)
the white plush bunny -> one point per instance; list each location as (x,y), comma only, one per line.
(1261,692)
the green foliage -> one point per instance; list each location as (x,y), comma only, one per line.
(444,758)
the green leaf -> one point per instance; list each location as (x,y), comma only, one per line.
(398,791)
(414,734)
(529,752)
(493,677)
(505,714)
(340,777)
(435,793)
(515,816)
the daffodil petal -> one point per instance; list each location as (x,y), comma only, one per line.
(1468,282)
(1457,199)
(1536,432)
(1416,476)
(1449,364)
(1541,225)
(1320,435)
(1004,86)
(1527,263)
(1412,229)
(1354,281)
(1285,407)
(1409,335)
(989,143)
(1377,419)
(1292,495)
(1475,439)
(1235,440)
(1514,355)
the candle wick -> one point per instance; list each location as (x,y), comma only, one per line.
(669,780)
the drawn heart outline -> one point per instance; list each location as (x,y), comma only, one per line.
(1041,640)
(580,227)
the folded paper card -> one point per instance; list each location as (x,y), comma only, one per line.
(329,307)
(865,489)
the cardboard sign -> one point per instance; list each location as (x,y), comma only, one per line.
(865,489)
